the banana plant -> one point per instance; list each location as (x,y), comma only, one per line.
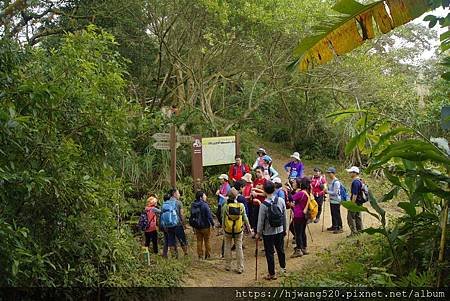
(413,165)
(354,23)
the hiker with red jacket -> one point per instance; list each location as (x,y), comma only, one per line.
(238,169)
(318,184)
(151,233)
(258,196)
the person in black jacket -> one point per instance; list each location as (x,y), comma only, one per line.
(201,220)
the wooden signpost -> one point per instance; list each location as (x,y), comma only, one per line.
(171,141)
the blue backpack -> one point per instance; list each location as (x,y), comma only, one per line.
(169,214)
(343,193)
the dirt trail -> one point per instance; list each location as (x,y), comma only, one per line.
(212,273)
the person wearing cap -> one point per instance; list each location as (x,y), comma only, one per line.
(334,193)
(151,233)
(318,185)
(279,192)
(269,172)
(295,167)
(238,169)
(247,193)
(258,197)
(222,195)
(261,152)
(354,219)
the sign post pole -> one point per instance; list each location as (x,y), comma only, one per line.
(173,156)
(197,162)
(238,144)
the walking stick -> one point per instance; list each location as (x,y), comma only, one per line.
(256,256)
(323,211)
(307,226)
(289,231)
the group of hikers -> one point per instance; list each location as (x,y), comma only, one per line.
(263,208)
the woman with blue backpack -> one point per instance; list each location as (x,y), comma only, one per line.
(336,193)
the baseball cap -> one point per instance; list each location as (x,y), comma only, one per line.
(331,170)
(354,169)
(276,180)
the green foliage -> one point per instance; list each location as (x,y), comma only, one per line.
(65,137)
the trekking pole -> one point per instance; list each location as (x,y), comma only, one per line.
(289,225)
(307,226)
(323,211)
(256,256)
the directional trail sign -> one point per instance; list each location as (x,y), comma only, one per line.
(163,145)
(161,136)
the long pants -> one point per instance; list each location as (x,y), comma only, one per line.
(354,221)
(270,242)
(239,253)
(299,231)
(219,214)
(203,236)
(319,200)
(255,215)
(153,238)
(336,220)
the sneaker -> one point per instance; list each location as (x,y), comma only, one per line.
(270,277)
(337,231)
(283,271)
(227,269)
(331,228)
(305,252)
(239,271)
(316,220)
(297,253)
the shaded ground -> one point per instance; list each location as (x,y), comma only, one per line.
(212,273)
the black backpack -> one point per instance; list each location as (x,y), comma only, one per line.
(195,220)
(275,213)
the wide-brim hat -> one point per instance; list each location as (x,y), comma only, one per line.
(223,176)
(296,155)
(261,150)
(247,177)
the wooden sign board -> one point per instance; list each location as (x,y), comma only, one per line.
(163,145)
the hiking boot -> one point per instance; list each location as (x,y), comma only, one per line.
(316,220)
(305,252)
(270,277)
(297,253)
(337,231)
(331,228)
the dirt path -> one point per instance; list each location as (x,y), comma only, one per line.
(212,273)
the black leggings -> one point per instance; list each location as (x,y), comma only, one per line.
(153,237)
(298,228)
(319,200)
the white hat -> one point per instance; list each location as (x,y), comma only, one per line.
(353,169)
(223,176)
(276,180)
(296,155)
(247,177)
(261,150)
